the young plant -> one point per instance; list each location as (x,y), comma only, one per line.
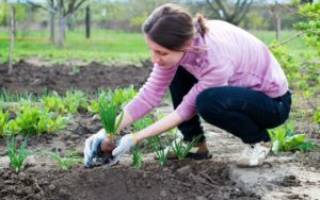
(162,156)
(66,162)
(4,118)
(54,103)
(17,153)
(93,106)
(108,114)
(49,123)
(284,139)
(122,96)
(181,148)
(137,158)
(33,120)
(75,101)
(316,116)
(160,152)
(142,123)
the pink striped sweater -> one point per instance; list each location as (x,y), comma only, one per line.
(226,55)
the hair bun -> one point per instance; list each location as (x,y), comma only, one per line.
(200,24)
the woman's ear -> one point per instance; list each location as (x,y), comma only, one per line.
(188,45)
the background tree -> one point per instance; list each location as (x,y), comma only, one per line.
(12,31)
(228,11)
(62,9)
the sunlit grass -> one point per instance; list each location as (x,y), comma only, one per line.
(105,45)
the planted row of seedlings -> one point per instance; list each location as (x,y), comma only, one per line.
(29,115)
(51,113)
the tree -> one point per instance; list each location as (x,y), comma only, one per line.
(62,9)
(12,31)
(88,22)
(311,24)
(226,10)
(306,1)
(275,10)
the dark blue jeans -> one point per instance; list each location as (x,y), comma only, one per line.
(242,112)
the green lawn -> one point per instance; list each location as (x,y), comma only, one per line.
(103,46)
(296,46)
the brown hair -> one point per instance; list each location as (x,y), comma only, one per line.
(171,26)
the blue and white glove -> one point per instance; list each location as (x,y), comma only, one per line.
(92,145)
(124,146)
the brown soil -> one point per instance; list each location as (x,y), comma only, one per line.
(196,180)
(89,78)
(179,180)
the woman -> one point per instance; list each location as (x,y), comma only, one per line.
(214,70)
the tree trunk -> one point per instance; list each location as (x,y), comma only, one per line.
(278,26)
(61,37)
(61,34)
(70,22)
(277,19)
(88,22)
(12,37)
(52,23)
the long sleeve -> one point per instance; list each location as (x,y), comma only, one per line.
(152,92)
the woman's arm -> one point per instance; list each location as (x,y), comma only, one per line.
(126,121)
(170,121)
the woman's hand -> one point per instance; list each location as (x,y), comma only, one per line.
(92,145)
(126,143)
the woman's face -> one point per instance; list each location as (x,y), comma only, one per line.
(162,56)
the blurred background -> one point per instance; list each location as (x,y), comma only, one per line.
(105,30)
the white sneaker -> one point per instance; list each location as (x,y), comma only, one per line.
(254,155)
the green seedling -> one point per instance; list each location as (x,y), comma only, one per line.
(6,96)
(117,97)
(75,101)
(142,123)
(122,96)
(17,153)
(137,158)
(162,156)
(54,103)
(108,114)
(93,106)
(33,120)
(50,123)
(111,123)
(181,148)
(316,116)
(285,139)
(66,162)
(4,118)
(160,152)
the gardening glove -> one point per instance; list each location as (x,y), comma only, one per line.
(124,146)
(92,147)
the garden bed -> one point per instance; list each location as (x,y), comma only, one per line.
(290,176)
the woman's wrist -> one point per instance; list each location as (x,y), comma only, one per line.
(137,137)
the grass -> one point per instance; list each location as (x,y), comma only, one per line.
(104,46)
(296,46)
